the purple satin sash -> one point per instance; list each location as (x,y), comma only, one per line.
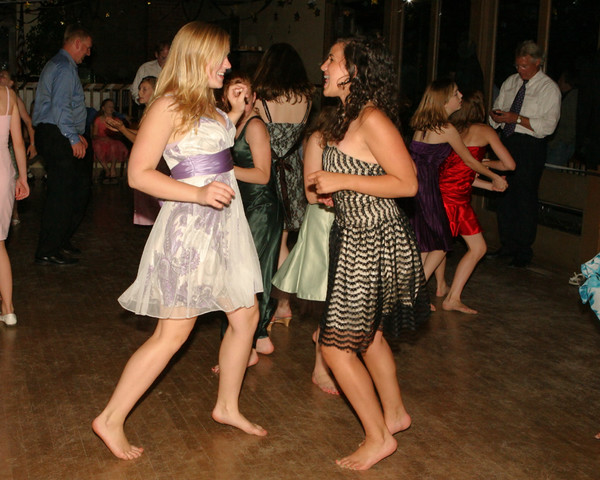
(203,164)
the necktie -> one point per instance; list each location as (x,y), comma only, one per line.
(517,103)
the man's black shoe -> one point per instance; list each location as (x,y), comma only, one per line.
(518,263)
(57,259)
(500,253)
(70,250)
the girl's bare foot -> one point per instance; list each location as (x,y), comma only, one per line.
(114,438)
(325,382)
(265,346)
(369,453)
(458,306)
(237,420)
(597,436)
(252,360)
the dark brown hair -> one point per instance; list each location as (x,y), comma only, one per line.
(281,74)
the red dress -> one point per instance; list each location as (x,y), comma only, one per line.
(106,148)
(456,185)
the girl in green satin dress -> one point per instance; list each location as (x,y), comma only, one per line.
(252,168)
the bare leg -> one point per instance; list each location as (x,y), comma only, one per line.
(252,360)
(442,287)
(6,281)
(14,220)
(357,385)
(321,375)
(113,168)
(381,365)
(233,358)
(476,250)
(106,168)
(284,311)
(431,261)
(142,369)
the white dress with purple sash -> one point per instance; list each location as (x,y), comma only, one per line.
(197,259)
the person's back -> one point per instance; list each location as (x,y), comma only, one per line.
(283,111)
(477,135)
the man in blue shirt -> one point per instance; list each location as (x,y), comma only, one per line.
(59,118)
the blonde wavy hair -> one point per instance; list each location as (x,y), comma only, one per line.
(431,114)
(197,48)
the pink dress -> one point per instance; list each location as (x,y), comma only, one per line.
(7,174)
(108,149)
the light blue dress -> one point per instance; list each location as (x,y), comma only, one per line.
(304,272)
(590,290)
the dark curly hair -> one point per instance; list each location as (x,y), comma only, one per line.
(281,73)
(372,79)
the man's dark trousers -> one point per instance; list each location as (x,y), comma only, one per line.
(68,189)
(518,206)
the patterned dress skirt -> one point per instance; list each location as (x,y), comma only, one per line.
(376,280)
(197,259)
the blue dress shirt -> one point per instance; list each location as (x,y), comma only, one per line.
(59,98)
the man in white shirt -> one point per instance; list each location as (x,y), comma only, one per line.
(151,68)
(528,110)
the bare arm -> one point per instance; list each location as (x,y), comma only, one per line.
(258,139)
(155,132)
(385,144)
(483,184)
(451,135)
(313,162)
(31,150)
(117,125)
(505,160)
(22,189)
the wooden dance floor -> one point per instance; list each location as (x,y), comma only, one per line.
(512,393)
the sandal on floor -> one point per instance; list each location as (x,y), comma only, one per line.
(282,320)
(577,279)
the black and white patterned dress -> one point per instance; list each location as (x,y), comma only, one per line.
(376,280)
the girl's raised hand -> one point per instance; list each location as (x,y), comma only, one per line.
(236,95)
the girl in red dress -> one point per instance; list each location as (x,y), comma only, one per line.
(456,183)
(108,150)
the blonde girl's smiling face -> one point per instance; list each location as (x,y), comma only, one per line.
(455,102)
(336,78)
(216,73)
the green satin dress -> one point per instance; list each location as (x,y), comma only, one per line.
(304,272)
(265,217)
